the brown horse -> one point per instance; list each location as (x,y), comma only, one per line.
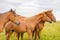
(27,25)
(6,17)
(40,25)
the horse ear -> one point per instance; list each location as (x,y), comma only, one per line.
(11,10)
(45,12)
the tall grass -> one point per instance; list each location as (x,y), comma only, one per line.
(49,32)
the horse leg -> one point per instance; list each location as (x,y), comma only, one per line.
(39,35)
(35,35)
(18,35)
(29,34)
(8,36)
(22,36)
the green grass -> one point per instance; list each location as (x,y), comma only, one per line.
(49,32)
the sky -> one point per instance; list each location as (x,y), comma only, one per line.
(31,7)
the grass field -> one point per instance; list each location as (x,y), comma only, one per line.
(49,32)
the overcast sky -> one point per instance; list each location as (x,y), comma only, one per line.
(31,7)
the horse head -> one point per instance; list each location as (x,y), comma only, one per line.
(12,16)
(45,18)
(50,15)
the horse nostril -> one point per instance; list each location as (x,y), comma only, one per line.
(17,22)
(50,21)
(54,20)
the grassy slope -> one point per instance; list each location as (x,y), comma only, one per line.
(49,32)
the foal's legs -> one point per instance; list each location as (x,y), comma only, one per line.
(8,35)
(29,34)
(22,36)
(38,35)
(33,34)
(16,35)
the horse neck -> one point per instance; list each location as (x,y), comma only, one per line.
(3,19)
(36,19)
(42,23)
(4,14)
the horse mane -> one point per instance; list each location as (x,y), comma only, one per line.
(1,14)
(35,17)
(37,14)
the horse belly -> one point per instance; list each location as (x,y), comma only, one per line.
(21,28)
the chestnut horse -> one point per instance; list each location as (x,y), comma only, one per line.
(26,25)
(40,25)
(6,17)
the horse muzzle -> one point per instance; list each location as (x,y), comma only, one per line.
(54,20)
(50,21)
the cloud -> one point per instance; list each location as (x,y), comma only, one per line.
(13,1)
(28,8)
(5,7)
(31,7)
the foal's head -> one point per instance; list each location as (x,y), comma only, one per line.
(12,16)
(45,18)
(50,15)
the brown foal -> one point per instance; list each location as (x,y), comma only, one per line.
(41,24)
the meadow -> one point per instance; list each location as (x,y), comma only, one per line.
(49,32)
